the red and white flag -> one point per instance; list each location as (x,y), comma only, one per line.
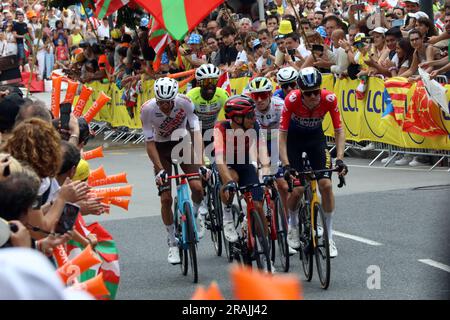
(224,82)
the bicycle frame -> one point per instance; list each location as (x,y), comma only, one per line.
(184,197)
(248,198)
(268,196)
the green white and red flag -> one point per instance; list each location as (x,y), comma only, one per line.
(158,39)
(179,17)
(104,8)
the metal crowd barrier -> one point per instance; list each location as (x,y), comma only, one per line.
(392,152)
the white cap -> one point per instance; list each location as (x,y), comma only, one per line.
(380,30)
(413,1)
(27,274)
(417,15)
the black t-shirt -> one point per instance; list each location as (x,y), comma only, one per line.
(21,29)
(228,55)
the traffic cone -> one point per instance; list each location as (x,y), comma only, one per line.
(124,191)
(98,104)
(82,100)
(249,284)
(97,174)
(181,74)
(213,292)
(75,267)
(72,87)
(56,95)
(95,286)
(117,178)
(94,153)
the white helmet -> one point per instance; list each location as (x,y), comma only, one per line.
(260,84)
(166,88)
(207,71)
(287,75)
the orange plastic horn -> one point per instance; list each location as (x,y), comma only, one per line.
(119,202)
(56,95)
(250,284)
(98,104)
(94,153)
(199,293)
(117,178)
(181,74)
(60,255)
(82,100)
(95,286)
(185,81)
(72,87)
(79,264)
(97,174)
(124,191)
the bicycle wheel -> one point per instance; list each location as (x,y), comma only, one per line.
(306,249)
(261,252)
(191,241)
(215,217)
(179,236)
(322,248)
(281,227)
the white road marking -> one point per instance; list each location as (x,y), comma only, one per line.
(356,238)
(397,168)
(435,264)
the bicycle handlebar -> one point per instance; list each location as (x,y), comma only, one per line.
(184,175)
(336,169)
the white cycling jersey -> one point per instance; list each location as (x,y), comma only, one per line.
(159,127)
(271,118)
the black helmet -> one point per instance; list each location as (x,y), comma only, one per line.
(238,105)
(309,79)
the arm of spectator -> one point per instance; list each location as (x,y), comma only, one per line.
(413,68)
(46,245)
(434,63)
(309,62)
(91,206)
(378,67)
(436,39)
(74,129)
(22,237)
(341,64)
(440,71)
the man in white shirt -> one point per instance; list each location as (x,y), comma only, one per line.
(103,29)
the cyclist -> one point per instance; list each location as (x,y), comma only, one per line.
(268,113)
(238,145)
(161,116)
(208,101)
(301,131)
(287,79)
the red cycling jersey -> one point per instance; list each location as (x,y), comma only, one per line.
(302,120)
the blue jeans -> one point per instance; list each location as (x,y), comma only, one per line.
(20,51)
(49,63)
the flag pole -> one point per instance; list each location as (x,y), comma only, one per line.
(35,48)
(302,30)
(89,21)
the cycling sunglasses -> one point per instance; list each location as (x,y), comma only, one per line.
(207,82)
(260,95)
(292,85)
(312,92)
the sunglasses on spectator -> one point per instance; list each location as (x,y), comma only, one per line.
(292,85)
(206,82)
(312,92)
(260,95)
(238,43)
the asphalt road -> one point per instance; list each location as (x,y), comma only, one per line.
(382,222)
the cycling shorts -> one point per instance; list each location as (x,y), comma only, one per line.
(318,155)
(165,156)
(248,175)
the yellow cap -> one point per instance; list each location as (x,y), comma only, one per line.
(285,27)
(82,172)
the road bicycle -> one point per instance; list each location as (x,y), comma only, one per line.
(185,223)
(252,244)
(314,240)
(278,226)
